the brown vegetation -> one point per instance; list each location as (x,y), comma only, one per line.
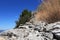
(49,11)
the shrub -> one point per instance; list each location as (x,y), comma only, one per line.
(48,11)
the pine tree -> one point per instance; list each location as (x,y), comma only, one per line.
(24,17)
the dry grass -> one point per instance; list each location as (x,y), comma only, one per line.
(49,11)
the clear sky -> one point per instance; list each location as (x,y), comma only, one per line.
(11,9)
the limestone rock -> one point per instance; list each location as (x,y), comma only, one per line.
(31,31)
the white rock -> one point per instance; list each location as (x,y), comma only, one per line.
(25,32)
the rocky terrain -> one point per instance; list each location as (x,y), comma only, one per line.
(31,31)
(37,28)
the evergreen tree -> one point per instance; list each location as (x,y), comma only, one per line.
(24,17)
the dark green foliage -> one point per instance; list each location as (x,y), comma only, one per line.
(24,17)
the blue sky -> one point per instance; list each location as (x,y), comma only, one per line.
(11,9)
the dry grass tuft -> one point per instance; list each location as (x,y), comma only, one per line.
(49,11)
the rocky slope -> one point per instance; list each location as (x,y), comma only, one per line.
(31,31)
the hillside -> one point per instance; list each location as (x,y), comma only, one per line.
(43,25)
